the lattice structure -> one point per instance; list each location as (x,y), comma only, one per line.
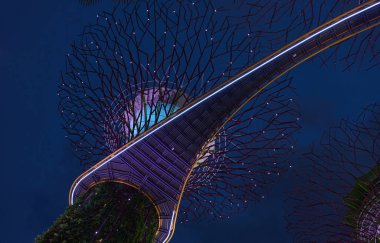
(129,73)
(336,197)
(253,149)
(292,18)
(118,84)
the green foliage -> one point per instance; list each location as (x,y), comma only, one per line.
(110,212)
(355,200)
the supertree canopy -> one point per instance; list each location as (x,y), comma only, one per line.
(141,62)
(336,197)
(138,65)
(291,18)
(281,21)
(363,203)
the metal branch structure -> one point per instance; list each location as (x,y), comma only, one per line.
(336,197)
(292,18)
(159,93)
(115,90)
(245,157)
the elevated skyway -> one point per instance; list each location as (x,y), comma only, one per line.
(159,161)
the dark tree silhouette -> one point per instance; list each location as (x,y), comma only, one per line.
(336,196)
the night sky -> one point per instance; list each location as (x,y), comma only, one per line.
(38,167)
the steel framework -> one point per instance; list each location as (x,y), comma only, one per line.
(103,110)
(160,159)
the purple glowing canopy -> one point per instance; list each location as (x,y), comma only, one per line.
(116,66)
(159,161)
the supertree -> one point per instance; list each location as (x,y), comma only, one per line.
(336,196)
(129,73)
(138,65)
(291,18)
(281,21)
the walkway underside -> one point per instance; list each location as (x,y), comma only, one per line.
(159,161)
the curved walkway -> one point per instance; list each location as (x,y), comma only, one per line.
(159,161)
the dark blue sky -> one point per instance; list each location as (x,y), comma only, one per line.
(36,161)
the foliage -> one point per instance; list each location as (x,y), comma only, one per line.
(357,198)
(109,212)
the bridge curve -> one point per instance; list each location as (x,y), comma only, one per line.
(159,161)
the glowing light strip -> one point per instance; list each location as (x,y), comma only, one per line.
(170,228)
(217,91)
